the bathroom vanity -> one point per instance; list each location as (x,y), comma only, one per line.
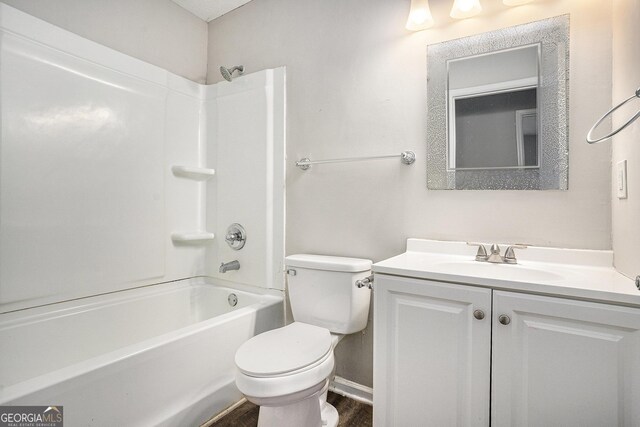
(553,340)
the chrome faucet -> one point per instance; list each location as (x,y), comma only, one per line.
(226,266)
(495,257)
(233,237)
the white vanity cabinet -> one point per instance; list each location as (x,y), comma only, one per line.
(432,357)
(565,363)
(536,361)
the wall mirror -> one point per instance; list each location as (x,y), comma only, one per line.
(497,109)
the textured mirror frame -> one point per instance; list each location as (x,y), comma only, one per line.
(553,90)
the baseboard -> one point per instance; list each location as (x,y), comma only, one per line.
(352,390)
(210,422)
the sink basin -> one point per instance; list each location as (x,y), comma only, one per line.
(499,271)
(573,273)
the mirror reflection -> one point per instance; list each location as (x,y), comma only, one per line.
(497,109)
(492,107)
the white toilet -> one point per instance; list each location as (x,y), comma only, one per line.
(287,370)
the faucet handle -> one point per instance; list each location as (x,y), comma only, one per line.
(481,255)
(510,255)
(233,237)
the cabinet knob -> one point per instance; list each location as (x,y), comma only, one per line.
(478,314)
(504,319)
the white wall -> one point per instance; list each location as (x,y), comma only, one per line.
(157,31)
(626,145)
(356,84)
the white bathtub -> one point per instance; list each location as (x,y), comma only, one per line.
(160,355)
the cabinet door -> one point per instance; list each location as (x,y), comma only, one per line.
(431,355)
(564,363)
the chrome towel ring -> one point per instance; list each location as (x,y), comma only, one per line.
(592,140)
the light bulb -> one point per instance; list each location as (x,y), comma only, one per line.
(420,16)
(516,2)
(465,9)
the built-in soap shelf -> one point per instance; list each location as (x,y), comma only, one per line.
(193,172)
(194,237)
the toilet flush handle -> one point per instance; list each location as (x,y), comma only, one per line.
(367,282)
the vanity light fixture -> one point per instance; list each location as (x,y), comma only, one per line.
(419,16)
(465,9)
(516,2)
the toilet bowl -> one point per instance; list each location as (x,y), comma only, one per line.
(287,370)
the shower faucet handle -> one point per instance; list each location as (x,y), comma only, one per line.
(481,255)
(233,237)
(236,236)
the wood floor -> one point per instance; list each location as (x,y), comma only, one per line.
(352,414)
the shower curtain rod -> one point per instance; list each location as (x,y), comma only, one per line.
(406,157)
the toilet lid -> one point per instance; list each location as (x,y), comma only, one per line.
(283,350)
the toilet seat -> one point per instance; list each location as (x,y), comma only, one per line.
(284,351)
(284,361)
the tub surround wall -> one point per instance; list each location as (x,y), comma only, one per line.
(626,145)
(156,31)
(356,84)
(88,200)
(245,122)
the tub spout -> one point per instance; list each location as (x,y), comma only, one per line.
(226,266)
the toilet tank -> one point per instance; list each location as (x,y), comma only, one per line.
(322,291)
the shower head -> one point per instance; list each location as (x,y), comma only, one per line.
(227,73)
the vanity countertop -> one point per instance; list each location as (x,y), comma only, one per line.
(574,273)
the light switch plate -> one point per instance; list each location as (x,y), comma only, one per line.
(621,179)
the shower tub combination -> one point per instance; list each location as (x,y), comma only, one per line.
(159,355)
